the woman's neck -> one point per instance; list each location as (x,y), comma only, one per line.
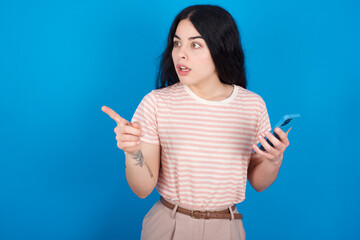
(212,91)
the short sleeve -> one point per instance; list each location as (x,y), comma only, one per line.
(146,114)
(263,126)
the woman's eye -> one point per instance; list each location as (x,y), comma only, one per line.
(195,45)
(176,44)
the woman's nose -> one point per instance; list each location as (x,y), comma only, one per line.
(182,53)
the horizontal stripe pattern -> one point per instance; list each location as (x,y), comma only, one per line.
(206,147)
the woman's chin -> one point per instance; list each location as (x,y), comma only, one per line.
(185,81)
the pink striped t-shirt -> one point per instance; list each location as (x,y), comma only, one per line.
(205,145)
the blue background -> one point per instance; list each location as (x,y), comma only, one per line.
(61,173)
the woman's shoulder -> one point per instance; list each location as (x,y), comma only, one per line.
(171,88)
(163,93)
(249,95)
(167,91)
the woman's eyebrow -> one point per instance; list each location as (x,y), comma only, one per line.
(190,38)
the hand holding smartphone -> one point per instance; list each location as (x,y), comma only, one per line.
(285,123)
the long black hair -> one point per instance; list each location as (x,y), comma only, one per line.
(221,35)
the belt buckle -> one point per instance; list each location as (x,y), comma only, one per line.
(192,214)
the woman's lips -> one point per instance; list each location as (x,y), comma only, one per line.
(182,69)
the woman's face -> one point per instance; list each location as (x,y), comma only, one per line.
(191,56)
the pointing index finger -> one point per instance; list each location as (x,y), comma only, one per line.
(116,117)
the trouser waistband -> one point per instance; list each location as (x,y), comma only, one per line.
(224,214)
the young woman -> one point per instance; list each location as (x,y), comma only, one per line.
(193,137)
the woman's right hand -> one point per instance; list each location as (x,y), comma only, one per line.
(127,134)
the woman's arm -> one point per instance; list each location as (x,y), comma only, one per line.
(264,167)
(142,169)
(142,160)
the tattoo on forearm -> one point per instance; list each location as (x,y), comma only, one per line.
(139,158)
(151,174)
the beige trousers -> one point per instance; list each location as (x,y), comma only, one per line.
(162,223)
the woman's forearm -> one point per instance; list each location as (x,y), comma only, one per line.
(138,174)
(264,174)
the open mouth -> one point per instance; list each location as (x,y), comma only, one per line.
(184,69)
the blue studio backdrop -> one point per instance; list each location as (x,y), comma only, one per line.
(61,173)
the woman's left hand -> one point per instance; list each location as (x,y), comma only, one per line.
(273,154)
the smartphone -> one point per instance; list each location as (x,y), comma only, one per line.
(285,123)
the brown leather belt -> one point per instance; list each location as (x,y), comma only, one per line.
(224,214)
